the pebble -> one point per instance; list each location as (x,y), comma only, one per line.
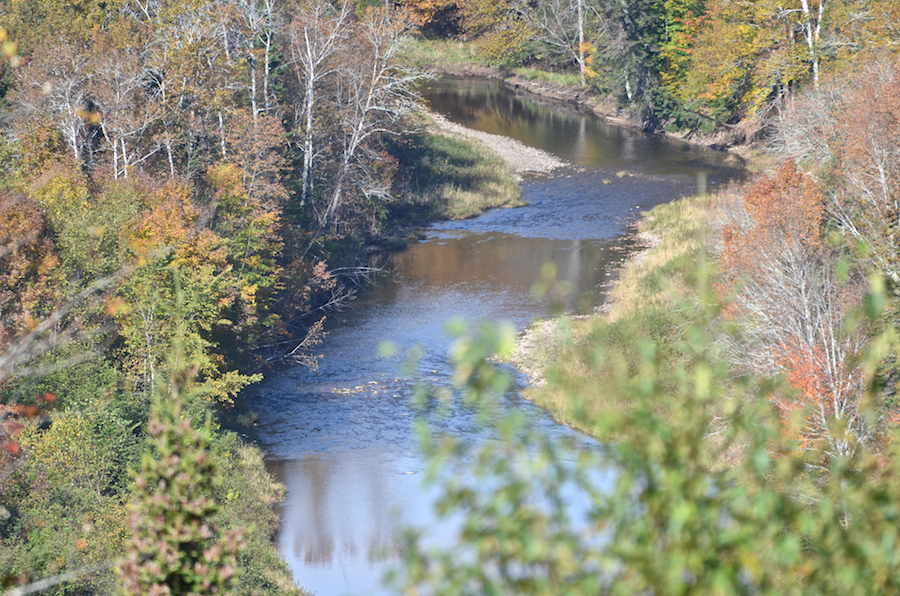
(519,156)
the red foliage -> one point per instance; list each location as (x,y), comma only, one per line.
(792,306)
(786,212)
(822,389)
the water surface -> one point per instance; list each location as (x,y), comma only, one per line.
(339,438)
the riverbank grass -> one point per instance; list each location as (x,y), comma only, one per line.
(450,177)
(601,359)
(459,57)
(565,79)
(665,273)
(441,53)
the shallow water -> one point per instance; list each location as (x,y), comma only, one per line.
(340,438)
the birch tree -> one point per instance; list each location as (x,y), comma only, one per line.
(126,114)
(315,33)
(791,306)
(260,22)
(567,26)
(847,132)
(810,22)
(195,78)
(54,84)
(374,93)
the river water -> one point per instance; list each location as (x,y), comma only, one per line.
(340,437)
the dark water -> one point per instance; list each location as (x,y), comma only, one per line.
(340,437)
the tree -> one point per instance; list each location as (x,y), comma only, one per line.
(683,20)
(847,132)
(260,147)
(315,34)
(432,15)
(90,230)
(54,84)
(34,23)
(810,24)
(175,547)
(262,22)
(248,224)
(195,76)
(572,28)
(791,306)
(634,47)
(126,116)
(501,27)
(27,260)
(373,93)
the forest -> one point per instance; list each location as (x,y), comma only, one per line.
(675,64)
(188,187)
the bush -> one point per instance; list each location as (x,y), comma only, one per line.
(709,498)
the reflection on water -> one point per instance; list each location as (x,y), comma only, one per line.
(340,438)
(343,510)
(566,131)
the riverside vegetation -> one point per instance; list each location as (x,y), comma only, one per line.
(186,186)
(200,180)
(742,386)
(710,67)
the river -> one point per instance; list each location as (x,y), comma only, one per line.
(340,437)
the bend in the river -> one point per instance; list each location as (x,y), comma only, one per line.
(340,437)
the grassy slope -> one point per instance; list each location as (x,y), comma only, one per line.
(431,53)
(450,177)
(648,305)
(460,57)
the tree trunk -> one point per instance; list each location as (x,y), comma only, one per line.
(581,64)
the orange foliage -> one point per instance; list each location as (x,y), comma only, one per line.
(40,146)
(427,12)
(787,212)
(169,219)
(792,306)
(821,390)
(203,248)
(26,260)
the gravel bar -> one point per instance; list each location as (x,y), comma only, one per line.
(522,158)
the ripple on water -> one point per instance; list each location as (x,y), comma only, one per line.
(340,438)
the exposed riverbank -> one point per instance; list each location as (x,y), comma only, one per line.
(651,282)
(519,156)
(341,437)
(451,172)
(646,304)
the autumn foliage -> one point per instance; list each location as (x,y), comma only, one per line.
(27,261)
(151,200)
(784,218)
(779,274)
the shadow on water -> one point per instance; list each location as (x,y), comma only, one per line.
(340,438)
